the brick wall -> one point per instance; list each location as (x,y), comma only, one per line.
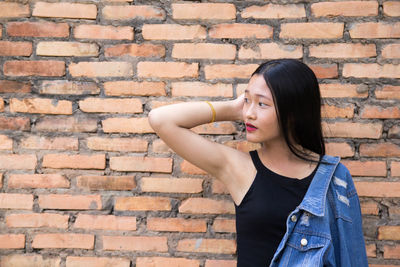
(86,182)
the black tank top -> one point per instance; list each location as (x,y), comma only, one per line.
(261,216)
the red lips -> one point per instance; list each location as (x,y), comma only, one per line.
(250,127)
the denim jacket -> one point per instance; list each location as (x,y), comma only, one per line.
(326,228)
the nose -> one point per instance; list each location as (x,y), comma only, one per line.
(250,112)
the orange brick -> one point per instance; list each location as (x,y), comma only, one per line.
(14,10)
(189,168)
(241,30)
(160,147)
(127,125)
(339,149)
(64,161)
(103,32)
(142,203)
(34,68)
(395,168)
(219,187)
(378,189)
(343,90)
(312,30)
(220,263)
(391,251)
(51,143)
(168,69)
(70,124)
(12,241)
(371,250)
(63,240)
(117,144)
(352,130)
(18,162)
(125,12)
(135,243)
(204,51)
(389,233)
(97,262)
(219,246)
(101,69)
(224,225)
(206,206)
(204,11)
(62,87)
(201,89)
(391,8)
(1,104)
(16,201)
(38,181)
(343,50)
(273,11)
(173,32)
(130,88)
(36,220)
(271,51)
(323,71)
(106,182)
(229,71)
(6,143)
(375,30)
(105,222)
(369,208)
(15,124)
(65,10)
(29,260)
(243,145)
(215,128)
(386,149)
(70,202)
(41,106)
(164,261)
(156,104)
(8,48)
(67,49)
(171,185)
(110,105)
(176,225)
(331,111)
(135,50)
(38,29)
(345,8)
(391,51)
(14,87)
(366,168)
(371,70)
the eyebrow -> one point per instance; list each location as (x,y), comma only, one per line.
(259,95)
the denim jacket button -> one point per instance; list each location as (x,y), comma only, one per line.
(293,218)
(303,242)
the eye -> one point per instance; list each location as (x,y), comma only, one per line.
(262,104)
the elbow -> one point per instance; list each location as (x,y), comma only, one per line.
(154,119)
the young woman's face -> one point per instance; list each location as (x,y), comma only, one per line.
(259,112)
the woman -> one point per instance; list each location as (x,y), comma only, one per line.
(295,206)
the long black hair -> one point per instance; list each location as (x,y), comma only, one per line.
(297,99)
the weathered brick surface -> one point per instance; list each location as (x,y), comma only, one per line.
(106,182)
(13,10)
(273,11)
(67,49)
(135,243)
(65,10)
(34,260)
(103,32)
(204,11)
(176,225)
(34,68)
(70,202)
(37,220)
(124,12)
(38,29)
(38,181)
(105,222)
(80,241)
(15,48)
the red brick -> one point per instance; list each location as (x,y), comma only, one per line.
(160,147)
(215,128)
(391,51)
(366,168)
(63,240)
(16,260)
(164,261)
(133,12)
(176,225)
(18,162)
(14,87)
(157,104)
(111,105)
(97,262)
(240,30)
(106,182)
(391,8)
(173,32)
(242,145)
(65,10)
(220,263)
(15,123)
(219,187)
(375,30)
(330,111)
(130,88)
(345,8)
(343,50)
(6,143)
(37,220)
(41,106)
(273,11)
(135,50)
(369,208)
(62,87)
(371,70)
(142,203)
(323,71)
(371,250)
(389,233)
(224,225)
(312,30)
(270,51)
(105,222)
(219,246)
(391,251)
(64,161)
(229,71)
(187,167)
(8,48)
(380,150)
(172,185)
(14,10)
(338,90)
(16,201)
(201,89)
(127,125)
(204,11)
(168,69)
(38,181)
(204,51)
(38,29)
(339,149)
(135,243)
(206,206)
(63,124)
(49,143)
(67,49)
(395,168)
(117,144)
(12,241)
(388,92)
(70,202)
(101,69)
(378,189)
(352,130)
(103,32)
(34,68)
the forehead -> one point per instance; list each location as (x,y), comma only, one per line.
(258,86)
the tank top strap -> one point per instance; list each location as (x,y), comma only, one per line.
(256,160)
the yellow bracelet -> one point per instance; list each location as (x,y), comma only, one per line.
(213,111)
